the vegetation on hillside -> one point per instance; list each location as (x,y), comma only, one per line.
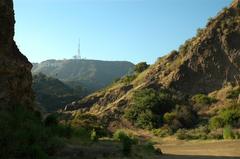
(52,94)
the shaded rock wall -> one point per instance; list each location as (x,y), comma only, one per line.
(15,69)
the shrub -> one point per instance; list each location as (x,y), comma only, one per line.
(148,107)
(228,133)
(140,67)
(216,122)
(127,142)
(186,116)
(169,117)
(215,134)
(231,116)
(51,120)
(203,99)
(162,132)
(200,133)
(94,136)
(181,134)
(23,135)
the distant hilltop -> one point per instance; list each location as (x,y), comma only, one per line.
(90,74)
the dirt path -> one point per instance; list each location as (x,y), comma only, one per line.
(200,149)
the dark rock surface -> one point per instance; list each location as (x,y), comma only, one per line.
(15,69)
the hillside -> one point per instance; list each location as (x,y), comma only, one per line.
(90,74)
(52,94)
(179,85)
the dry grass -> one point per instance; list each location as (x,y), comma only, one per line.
(224,149)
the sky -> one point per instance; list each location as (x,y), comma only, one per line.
(113,30)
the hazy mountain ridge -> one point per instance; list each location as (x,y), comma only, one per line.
(90,74)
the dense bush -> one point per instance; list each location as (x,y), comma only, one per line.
(23,135)
(228,116)
(140,67)
(94,136)
(148,107)
(228,133)
(203,99)
(126,140)
(163,131)
(216,122)
(185,116)
(200,133)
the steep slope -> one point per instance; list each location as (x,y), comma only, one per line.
(15,70)
(52,94)
(203,64)
(91,74)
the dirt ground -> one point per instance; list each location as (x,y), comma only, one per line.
(200,149)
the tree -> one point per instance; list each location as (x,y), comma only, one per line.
(140,67)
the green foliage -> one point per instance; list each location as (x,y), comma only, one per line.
(169,117)
(186,117)
(140,67)
(23,135)
(94,136)
(216,122)
(200,133)
(52,94)
(228,116)
(148,107)
(163,131)
(127,141)
(228,132)
(203,99)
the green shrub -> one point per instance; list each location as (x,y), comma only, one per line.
(203,99)
(162,132)
(186,117)
(228,133)
(24,135)
(231,116)
(216,122)
(140,67)
(148,107)
(200,133)
(94,136)
(127,141)
(51,120)
(181,134)
(215,134)
(169,117)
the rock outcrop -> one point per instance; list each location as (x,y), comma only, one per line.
(15,69)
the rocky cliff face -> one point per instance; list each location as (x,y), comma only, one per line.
(15,69)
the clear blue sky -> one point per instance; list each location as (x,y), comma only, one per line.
(132,30)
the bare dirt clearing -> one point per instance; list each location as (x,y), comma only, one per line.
(200,149)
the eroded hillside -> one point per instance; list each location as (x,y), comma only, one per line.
(204,64)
